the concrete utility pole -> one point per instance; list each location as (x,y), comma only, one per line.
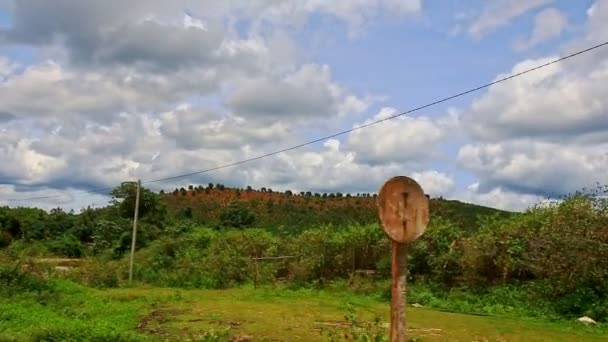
(134,232)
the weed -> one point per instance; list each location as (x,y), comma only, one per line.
(357,330)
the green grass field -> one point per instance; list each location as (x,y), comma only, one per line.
(158,314)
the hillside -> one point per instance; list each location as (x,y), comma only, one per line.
(295,212)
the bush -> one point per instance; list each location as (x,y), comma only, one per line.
(22,277)
(68,246)
(96,273)
(237,215)
(229,258)
(437,253)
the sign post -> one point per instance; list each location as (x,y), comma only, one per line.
(404,212)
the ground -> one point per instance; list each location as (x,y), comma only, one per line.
(262,314)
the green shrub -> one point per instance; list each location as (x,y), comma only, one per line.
(19,277)
(237,215)
(96,273)
(67,246)
(229,258)
(437,253)
(21,250)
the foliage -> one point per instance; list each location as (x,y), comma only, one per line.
(151,208)
(357,330)
(436,254)
(74,313)
(67,246)
(298,212)
(554,253)
(21,277)
(237,215)
(96,273)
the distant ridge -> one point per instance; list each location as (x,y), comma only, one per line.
(297,211)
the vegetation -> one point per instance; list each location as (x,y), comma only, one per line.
(292,213)
(547,263)
(65,311)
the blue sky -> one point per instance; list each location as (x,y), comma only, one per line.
(102,92)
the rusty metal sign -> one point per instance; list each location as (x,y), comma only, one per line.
(403,208)
(404,212)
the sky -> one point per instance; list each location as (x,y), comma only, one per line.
(94,93)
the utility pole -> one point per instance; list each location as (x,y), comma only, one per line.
(134,232)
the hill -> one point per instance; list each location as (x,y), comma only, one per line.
(295,212)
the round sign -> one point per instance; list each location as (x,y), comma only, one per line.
(403,209)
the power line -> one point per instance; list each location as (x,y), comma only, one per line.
(580,52)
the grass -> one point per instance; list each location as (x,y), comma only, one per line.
(77,313)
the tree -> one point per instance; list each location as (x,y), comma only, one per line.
(162,192)
(150,205)
(210,186)
(237,215)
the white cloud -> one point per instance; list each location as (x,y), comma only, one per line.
(140,90)
(306,93)
(557,102)
(500,13)
(7,67)
(532,167)
(549,23)
(73,199)
(401,140)
(498,198)
(193,128)
(434,183)
(48,89)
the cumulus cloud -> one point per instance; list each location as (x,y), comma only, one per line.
(545,133)
(309,92)
(155,32)
(499,198)
(555,102)
(434,183)
(500,13)
(193,128)
(549,23)
(548,169)
(72,200)
(49,89)
(404,139)
(7,67)
(142,89)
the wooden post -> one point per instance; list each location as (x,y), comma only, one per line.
(134,236)
(399,292)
